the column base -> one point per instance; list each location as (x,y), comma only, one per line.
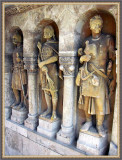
(66,135)
(8,111)
(48,127)
(31,122)
(92,143)
(113,150)
(19,116)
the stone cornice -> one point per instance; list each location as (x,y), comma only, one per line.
(17,9)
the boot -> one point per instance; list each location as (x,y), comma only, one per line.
(101,131)
(48,101)
(54,101)
(17,97)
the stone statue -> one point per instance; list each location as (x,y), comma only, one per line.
(19,75)
(96,78)
(47,62)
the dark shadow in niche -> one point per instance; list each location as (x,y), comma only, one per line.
(83,31)
(41,99)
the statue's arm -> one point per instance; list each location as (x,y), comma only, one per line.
(19,57)
(48,61)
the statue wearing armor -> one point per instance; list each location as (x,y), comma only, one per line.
(19,75)
(93,77)
(47,62)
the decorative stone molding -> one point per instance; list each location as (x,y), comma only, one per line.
(67,65)
(30,64)
(12,10)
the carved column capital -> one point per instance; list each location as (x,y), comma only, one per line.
(67,65)
(30,64)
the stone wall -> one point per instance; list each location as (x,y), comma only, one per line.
(71,21)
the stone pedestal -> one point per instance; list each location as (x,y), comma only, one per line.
(19,116)
(31,122)
(113,149)
(67,65)
(48,127)
(66,135)
(8,112)
(91,143)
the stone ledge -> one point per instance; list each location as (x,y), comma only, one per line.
(51,144)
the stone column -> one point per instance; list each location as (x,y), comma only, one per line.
(9,96)
(30,60)
(67,65)
(113,150)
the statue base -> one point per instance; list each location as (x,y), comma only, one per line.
(66,135)
(113,149)
(92,143)
(8,111)
(31,122)
(48,127)
(19,115)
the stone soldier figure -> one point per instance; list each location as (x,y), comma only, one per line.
(19,75)
(47,62)
(96,86)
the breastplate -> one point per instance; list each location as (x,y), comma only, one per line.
(47,52)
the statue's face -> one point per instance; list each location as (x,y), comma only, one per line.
(48,33)
(96,26)
(16,39)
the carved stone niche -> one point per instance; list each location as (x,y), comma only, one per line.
(48,123)
(19,78)
(91,140)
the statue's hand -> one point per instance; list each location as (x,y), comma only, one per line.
(17,57)
(85,58)
(41,64)
(44,69)
(80,52)
(39,45)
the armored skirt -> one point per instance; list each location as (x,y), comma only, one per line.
(19,75)
(19,78)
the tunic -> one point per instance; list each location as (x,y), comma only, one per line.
(101,51)
(49,81)
(19,75)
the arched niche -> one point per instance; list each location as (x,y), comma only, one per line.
(41,98)
(109,24)
(14,30)
(109,27)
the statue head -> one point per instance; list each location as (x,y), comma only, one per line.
(49,32)
(17,38)
(96,24)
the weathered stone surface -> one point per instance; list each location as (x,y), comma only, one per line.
(19,145)
(113,151)
(31,122)
(16,127)
(91,143)
(14,142)
(51,144)
(48,127)
(9,97)
(70,28)
(19,116)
